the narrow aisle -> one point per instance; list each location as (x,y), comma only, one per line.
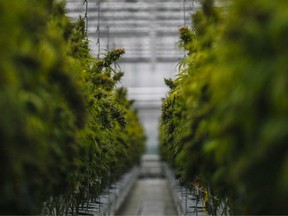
(149,197)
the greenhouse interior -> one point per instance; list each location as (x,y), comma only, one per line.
(141,107)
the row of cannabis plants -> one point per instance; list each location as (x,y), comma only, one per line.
(224,125)
(66,131)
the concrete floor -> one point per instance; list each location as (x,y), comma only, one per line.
(149,197)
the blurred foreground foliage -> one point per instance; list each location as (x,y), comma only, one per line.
(66,131)
(225,120)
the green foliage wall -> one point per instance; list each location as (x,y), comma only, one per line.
(224,122)
(64,126)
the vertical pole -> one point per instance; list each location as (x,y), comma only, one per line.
(186,201)
(193,6)
(184,12)
(88,192)
(152,36)
(98,28)
(86,18)
(86,37)
(108,38)
(184,19)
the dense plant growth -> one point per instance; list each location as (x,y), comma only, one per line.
(225,119)
(66,131)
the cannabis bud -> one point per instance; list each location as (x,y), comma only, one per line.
(120,51)
(185,34)
(183,28)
